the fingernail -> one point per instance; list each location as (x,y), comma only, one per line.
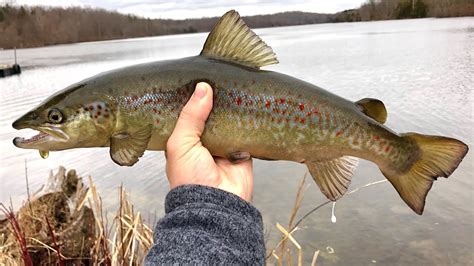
(200,91)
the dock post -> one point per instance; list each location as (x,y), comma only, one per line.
(14,49)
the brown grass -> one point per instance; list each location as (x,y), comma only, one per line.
(34,230)
(126,241)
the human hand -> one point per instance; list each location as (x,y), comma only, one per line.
(189,162)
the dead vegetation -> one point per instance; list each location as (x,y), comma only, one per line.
(64,223)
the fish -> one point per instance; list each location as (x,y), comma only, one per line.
(256,114)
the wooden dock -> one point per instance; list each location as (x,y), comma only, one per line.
(9,70)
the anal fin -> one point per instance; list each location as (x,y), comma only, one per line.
(333,176)
(127,148)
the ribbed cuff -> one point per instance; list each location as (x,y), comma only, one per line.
(188,195)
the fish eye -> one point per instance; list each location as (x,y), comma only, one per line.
(55,116)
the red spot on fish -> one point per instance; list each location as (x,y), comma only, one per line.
(99,106)
(282,101)
(287,120)
(267,104)
(338,134)
(387,149)
(280,120)
(275,110)
(91,107)
(302,120)
(95,116)
(273,119)
(308,114)
(301,106)
(86,109)
(134,97)
(98,113)
(154,110)
(238,101)
(253,81)
(157,121)
(283,112)
(376,138)
(296,119)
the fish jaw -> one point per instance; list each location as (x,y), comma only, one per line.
(48,138)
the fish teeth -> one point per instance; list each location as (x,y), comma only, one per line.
(39,136)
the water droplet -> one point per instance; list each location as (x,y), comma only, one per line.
(333,216)
(330,250)
(44,154)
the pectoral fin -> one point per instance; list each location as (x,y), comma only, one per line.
(333,176)
(126,148)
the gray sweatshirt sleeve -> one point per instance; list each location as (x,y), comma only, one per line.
(204,225)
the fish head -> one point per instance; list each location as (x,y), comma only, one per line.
(78,116)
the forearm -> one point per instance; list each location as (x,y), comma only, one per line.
(207,226)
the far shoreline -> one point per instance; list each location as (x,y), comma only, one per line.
(38,26)
(205,32)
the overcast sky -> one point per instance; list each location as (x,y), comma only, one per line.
(203,8)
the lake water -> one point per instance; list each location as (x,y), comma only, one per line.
(421,69)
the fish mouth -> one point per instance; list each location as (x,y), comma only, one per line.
(46,135)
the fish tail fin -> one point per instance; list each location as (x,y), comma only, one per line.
(433,157)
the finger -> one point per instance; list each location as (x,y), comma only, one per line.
(192,119)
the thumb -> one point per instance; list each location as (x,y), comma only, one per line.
(192,119)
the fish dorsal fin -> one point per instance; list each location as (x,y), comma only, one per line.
(333,176)
(232,40)
(373,108)
(126,149)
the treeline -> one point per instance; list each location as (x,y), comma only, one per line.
(25,26)
(402,9)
